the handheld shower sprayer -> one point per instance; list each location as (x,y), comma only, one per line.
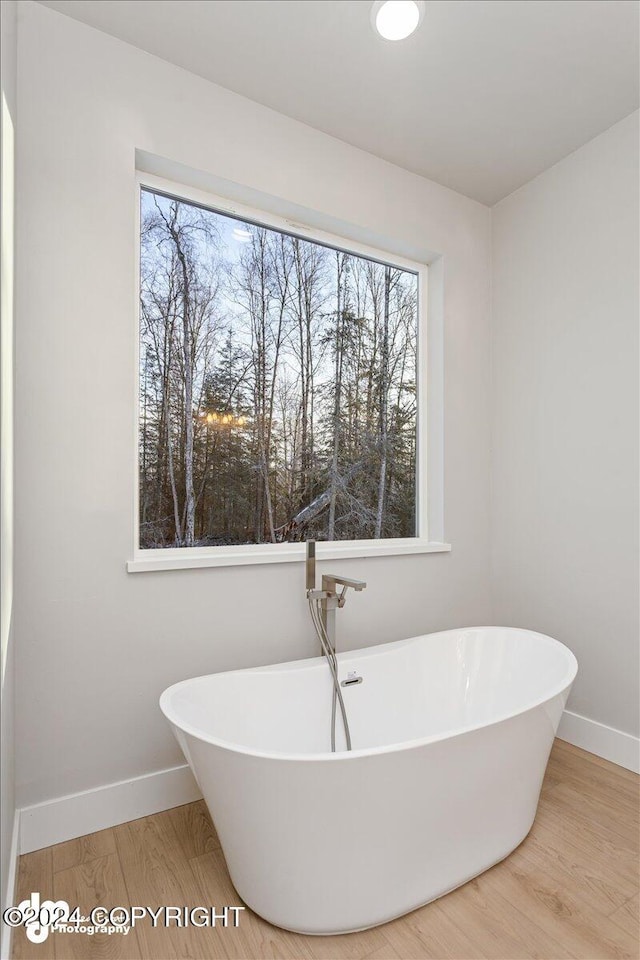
(311,565)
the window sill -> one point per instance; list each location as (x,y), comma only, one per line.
(147,561)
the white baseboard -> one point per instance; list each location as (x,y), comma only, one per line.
(14,852)
(606,742)
(80,813)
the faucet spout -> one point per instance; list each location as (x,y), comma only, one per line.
(356,585)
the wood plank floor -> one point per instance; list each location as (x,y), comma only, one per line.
(570,890)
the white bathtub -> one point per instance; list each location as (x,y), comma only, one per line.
(451,735)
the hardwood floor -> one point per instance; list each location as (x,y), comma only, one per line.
(570,890)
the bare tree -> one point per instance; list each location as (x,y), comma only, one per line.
(341,267)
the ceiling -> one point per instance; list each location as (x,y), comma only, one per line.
(486,94)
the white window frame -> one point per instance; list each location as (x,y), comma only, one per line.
(428,404)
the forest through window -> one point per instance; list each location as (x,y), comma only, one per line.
(277,385)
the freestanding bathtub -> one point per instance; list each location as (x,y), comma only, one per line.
(451,736)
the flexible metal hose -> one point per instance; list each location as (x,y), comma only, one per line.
(330,654)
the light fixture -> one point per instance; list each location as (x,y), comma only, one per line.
(243,236)
(396,19)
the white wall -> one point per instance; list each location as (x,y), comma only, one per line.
(565,411)
(97,646)
(8,84)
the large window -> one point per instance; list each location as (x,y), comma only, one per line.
(278,394)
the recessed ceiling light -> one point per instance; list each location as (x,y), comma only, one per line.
(397,19)
(242,236)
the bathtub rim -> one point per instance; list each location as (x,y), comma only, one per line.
(288,666)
